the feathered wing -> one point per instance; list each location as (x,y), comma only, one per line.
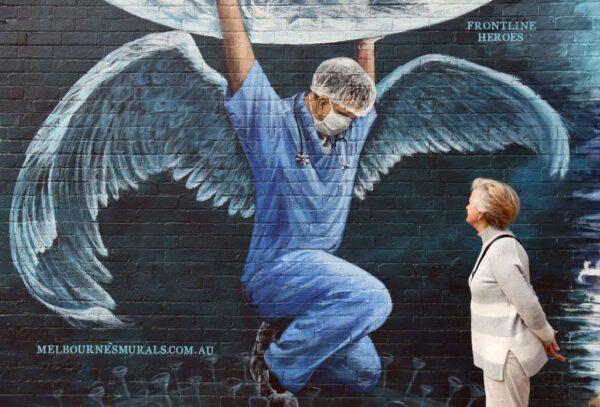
(152,105)
(437,103)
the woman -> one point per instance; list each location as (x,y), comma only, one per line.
(510,334)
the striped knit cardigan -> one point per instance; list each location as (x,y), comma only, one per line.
(505,312)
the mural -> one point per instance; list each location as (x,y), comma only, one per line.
(153,109)
(290,22)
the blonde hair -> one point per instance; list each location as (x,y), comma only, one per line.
(498,202)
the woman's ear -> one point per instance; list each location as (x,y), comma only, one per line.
(480,217)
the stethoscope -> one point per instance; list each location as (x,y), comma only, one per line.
(302,158)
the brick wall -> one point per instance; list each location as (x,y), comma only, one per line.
(176,263)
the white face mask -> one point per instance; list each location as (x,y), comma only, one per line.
(334,123)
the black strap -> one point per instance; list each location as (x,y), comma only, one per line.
(485,251)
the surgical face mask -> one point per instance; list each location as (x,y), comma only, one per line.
(334,123)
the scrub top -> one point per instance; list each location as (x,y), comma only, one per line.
(298,207)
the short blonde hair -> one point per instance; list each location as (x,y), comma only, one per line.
(498,202)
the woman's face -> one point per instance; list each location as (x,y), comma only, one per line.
(474,217)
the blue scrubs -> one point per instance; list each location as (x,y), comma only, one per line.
(329,305)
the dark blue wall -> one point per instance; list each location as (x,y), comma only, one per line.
(176,262)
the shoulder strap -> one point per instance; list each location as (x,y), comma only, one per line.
(486,249)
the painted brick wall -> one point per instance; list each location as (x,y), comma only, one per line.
(176,263)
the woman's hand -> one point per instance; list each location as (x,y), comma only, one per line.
(552,349)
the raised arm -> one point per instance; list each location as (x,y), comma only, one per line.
(238,49)
(366,55)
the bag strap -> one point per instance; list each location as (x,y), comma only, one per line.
(485,251)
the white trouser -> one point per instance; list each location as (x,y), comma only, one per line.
(513,391)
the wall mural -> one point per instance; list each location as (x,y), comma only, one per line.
(155,112)
(285,22)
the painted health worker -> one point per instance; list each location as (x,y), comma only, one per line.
(510,335)
(304,152)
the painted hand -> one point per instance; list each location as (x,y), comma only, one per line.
(368,42)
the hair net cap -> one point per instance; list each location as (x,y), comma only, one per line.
(345,82)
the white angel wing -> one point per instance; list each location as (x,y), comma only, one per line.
(438,103)
(150,106)
(303,21)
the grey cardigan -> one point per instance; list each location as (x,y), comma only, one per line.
(505,312)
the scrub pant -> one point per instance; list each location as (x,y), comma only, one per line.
(513,391)
(327,307)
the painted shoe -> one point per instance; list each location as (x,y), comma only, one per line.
(264,337)
(269,385)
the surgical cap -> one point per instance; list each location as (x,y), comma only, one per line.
(345,82)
